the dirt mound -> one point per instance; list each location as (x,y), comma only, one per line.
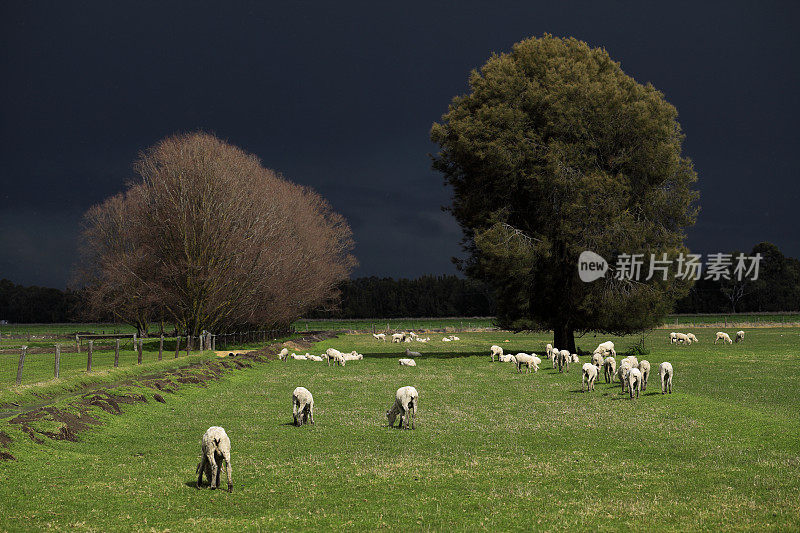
(5,440)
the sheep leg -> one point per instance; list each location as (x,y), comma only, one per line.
(669,382)
(228,471)
(200,469)
(414,415)
(295,407)
(213,463)
(311,413)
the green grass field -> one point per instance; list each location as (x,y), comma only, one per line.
(493,450)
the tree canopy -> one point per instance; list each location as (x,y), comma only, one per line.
(555,150)
(207,238)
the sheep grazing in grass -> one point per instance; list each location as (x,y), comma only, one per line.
(445,339)
(549,350)
(564,357)
(454,338)
(407,362)
(380,336)
(352,356)
(302,406)
(314,357)
(420,339)
(528,360)
(398,337)
(606,348)
(739,335)
(673,337)
(298,357)
(634,381)
(644,368)
(721,335)
(216,449)
(405,404)
(409,353)
(336,355)
(496,351)
(692,337)
(508,358)
(597,361)
(575,358)
(634,363)
(588,376)
(554,356)
(683,338)
(665,371)
(609,369)
(622,372)
(283,354)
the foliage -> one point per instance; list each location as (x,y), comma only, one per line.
(208,238)
(556,150)
(36,304)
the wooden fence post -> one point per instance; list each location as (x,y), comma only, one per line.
(214,342)
(77,343)
(188,343)
(160,347)
(139,352)
(57,365)
(21,364)
(177,345)
(116,354)
(89,356)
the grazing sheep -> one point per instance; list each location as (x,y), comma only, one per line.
(407,362)
(739,335)
(683,338)
(352,356)
(405,404)
(634,363)
(398,337)
(609,368)
(380,336)
(597,361)
(314,357)
(302,406)
(634,382)
(445,339)
(530,361)
(283,354)
(665,371)
(508,358)
(673,337)
(606,348)
(622,372)
(724,336)
(336,355)
(575,358)
(298,357)
(409,353)
(554,356)
(496,350)
(216,449)
(454,338)
(564,358)
(644,368)
(420,339)
(588,376)
(549,350)
(692,337)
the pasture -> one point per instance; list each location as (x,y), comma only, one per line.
(493,449)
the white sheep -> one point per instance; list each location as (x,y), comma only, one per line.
(445,339)
(609,368)
(496,350)
(692,337)
(283,354)
(665,371)
(575,358)
(398,337)
(380,336)
(508,358)
(673,337)
(336,355)
(634,381)
(352,356)
(528,360)
(597,361)
(407,362)
(606,348)
(454,338)
(683,338)
(634,363)
(298,357)
(564,357)
(549,350)
(314,357)
(724,337)
(405,404)
(622,372)
(216,449)
(420,339)
(302,406)
(554,356)
(588,376)
(644,368)
(739,335)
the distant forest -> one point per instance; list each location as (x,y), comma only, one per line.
(777,289)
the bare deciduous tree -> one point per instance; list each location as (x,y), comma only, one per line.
(211,239)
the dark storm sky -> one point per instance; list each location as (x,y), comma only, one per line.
(341,96)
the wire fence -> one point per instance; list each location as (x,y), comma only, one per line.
(42,360)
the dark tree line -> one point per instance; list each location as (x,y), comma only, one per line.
(427,296)
(36,304)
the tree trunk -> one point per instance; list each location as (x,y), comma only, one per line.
(564,338)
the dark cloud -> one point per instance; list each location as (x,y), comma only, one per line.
(341,97)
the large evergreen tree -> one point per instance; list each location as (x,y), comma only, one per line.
(555,150)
